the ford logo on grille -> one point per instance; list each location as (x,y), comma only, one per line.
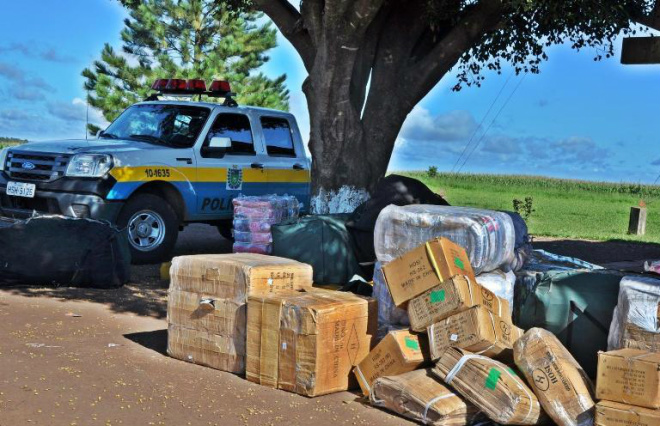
(28,166)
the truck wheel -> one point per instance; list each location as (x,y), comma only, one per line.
(153,228)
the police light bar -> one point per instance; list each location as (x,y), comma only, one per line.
(177,86)
(181,87)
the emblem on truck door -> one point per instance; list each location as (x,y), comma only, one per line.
(28,166)
(234,178)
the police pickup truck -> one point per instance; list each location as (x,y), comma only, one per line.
(163,163)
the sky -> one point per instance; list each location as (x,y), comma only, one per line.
(578,119)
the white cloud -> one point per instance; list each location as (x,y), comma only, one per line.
(451,126)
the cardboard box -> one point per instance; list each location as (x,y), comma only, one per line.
(425,267)
(615,414)
(308,342)
(493,387)
(629,376)
(478,330)
(399,352)
(637,338)
(207,303)
(450,297)
(421,397)
(561,385)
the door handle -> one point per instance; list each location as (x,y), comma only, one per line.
(185,160)
(257,166)
(298,166)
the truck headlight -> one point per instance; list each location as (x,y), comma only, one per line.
(3,158)
(89,165)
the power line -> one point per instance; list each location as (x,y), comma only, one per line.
(492,122)
(476,130)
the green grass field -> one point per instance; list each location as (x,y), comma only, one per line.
(564,208)
(5,142)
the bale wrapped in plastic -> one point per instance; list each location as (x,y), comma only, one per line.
(636,321)
(421,397)
(493,387)
(501,283)
(253,218)
(560,383)
(489,237)
(389,316)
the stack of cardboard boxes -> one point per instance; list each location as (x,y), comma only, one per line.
(482,360)
(629,388)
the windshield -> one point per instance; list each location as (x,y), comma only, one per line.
(171,125)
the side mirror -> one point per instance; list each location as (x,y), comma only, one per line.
(219,143)
(99,134)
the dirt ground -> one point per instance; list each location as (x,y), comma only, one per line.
(97,357)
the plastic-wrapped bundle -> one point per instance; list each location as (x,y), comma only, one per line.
(253,218)
(389,316)
(253,237)
(247,225)
(500,283)
(523,246)
(488,236)
(253,248)
(636,321)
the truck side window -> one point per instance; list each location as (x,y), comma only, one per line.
(234,126)
(277,134)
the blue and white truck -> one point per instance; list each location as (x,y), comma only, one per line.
(162,164)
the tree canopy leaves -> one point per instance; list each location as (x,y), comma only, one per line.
(185,39)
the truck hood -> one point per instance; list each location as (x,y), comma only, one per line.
(98,146)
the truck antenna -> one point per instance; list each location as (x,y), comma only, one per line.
(87,116)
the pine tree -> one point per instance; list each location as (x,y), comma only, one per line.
(185,39)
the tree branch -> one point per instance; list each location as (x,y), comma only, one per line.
(424,74)
(651,20)
(290,22)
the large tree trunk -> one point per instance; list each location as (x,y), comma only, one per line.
(345,44)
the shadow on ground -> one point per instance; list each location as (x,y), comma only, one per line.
(600,252)
(154,340)
(146,294)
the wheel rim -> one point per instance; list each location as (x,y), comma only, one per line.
(146,230)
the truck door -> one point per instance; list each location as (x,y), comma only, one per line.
(288,166)
(222,176)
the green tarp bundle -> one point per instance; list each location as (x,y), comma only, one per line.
(321,241)
(576,305)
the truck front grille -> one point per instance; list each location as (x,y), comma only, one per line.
(41,167)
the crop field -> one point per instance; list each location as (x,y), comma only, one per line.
(562,208)
(5,142)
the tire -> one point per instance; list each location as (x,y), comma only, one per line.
(152,228)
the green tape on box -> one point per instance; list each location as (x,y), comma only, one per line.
(437,296)
(412,343)
(493,376)
(458,262)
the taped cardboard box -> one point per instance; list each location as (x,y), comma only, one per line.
(207,303)
(425,267)
(629,376)
(421,397)
(224,353)
(399,352)
(637,338)
(450,297)
(490,385)
(561,385)
(615,414)
(308,342)
(477,330)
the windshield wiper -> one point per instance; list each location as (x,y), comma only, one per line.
(150,138)
(108,136)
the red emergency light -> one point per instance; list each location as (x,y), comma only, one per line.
(159,84)
(220,86)
(176,85)
(197,86)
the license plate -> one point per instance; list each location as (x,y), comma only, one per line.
(20,189)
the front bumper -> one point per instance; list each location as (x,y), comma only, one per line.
(67,196)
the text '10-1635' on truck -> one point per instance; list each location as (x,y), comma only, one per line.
(163,163)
